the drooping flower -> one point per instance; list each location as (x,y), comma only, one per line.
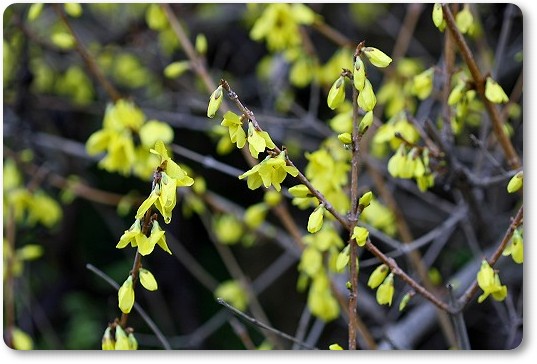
(489,281)
(125,296)
(378,276)
(360,234)
(336,95)
(258,141)
(234,124)
(515,248)
(377,57)
(385,291)
(271,171)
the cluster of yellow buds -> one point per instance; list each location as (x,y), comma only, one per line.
(384,281)
(120,339)
(413,163)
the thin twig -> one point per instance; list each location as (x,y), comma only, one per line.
(137,307)
(458,322)
(262,325)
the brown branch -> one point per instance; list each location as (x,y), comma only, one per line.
(497,125)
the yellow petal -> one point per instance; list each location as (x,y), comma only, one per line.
(148,280)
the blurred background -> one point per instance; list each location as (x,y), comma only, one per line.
(54,100)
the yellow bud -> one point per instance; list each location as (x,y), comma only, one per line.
(438,17)
(335,347)
(126,296)
(366,122)
(272,198)
(21,340)
(255,215)
(133,343)
(464,20)
(315,221)
(232,292)
(30,252)
(378,276)
(456,94)
(367,99)
(73,9)
(148,280)
(34,11)
(516,182)
(122,342)
(154,130)
(345,138)
(343,259)
(377,57)
(63,40)
(176,69)
(358,74)
(494,92)
(300,191)
(385,291)
(156,18)
(360,234)
(215,101)
(365,200)
(336,95)
(107,342)
(201,44)
(423,84)
(404,301)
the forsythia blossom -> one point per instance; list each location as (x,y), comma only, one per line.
(271,171)
(489,282)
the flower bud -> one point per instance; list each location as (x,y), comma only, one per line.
(107,342)
(335,347)
(215,101)
(255,215)
(201,44)
(377,57)
(516,182)
(366,122)
(315,221)
(494,92)
(360,234)
(464,20)
(122,342)
(343,259)
(176,69)
(438,17)
(272,198)
(385,291)
(336,95)
(358,74)
(133,343)
(365,200)
(148,280)
(367,99)
(345,138)
(126,296)
(404,300)
(300,191)
(378,275)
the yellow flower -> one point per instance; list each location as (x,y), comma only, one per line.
(494,92)
(145,245)
(258,141)
(343,259)
(271,171)
(234,124)
(335,347)
(422,84)
(227,228)
(385,291)
(44,209)
(172,169)
(515,248)
(148,280)
(464,20)
(123,114)
(153,130)
(21,340)
(360,234)
(438,17)
(125,296)
(489,282)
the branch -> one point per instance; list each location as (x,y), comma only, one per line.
(262,325)
(512,157)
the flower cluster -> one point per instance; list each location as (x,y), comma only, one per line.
(119,340)
(145,233)
(412,163)
(122,123)
(271,171)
